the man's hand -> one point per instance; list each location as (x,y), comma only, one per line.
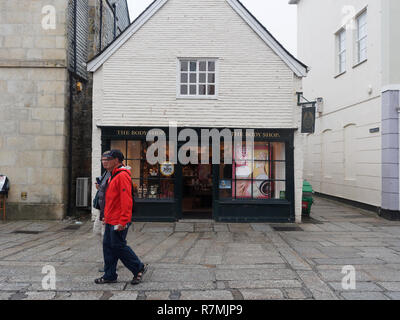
(120,228)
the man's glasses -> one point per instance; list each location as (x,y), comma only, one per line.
(106,160)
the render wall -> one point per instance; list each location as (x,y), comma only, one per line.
(140,79)
(343,157)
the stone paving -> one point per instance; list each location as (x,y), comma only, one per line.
(204,260)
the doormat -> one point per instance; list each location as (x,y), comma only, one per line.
(27,232)
(287,229)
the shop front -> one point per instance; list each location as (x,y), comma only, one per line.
(256,185)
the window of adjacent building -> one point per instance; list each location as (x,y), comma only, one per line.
(255,174)
(341,55)
(361,37)
(197,78)
(149,181)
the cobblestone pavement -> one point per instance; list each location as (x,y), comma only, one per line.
(207,260)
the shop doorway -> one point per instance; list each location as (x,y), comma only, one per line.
(197,187)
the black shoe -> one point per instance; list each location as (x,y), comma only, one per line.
(104,281)
(138,279)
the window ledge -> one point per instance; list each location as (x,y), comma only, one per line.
(196,98)
(139,200)
(340,74)
(255,201)
(359,63)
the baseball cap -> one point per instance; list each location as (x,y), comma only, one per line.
(114,154)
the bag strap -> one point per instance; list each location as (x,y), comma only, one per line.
(112,177)
(103,175)
(117,173)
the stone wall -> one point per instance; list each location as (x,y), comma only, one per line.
(33,84)
(23,38)
(34,104)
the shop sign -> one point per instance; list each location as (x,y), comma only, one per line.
(167,169)
(308,120)
(144,133)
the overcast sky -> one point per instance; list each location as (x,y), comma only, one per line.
(277,16)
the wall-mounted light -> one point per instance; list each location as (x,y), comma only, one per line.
(79,86)
(320,105)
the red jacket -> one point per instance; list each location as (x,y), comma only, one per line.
(118,207)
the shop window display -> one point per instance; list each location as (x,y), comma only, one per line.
(257,173)
(155,182)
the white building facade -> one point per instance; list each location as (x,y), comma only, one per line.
(202,64)
(353,52)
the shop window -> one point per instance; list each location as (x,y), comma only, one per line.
(255,174)
(197,78)
(155,182)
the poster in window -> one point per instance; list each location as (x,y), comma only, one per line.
(262,171)
(242,172)
(248,172)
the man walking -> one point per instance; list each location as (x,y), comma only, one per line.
(101,185)
(117,219)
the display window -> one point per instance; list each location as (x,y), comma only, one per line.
(257,172)
(156,182)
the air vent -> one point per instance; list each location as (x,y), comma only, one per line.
(82,192)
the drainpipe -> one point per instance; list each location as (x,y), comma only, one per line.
(115,19)
(71,117)
(113,9)
(71,86)
(75,24)
(101,24)
(398,135)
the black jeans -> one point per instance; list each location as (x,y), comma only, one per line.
(114,249)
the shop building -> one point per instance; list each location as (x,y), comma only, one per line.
(191,68)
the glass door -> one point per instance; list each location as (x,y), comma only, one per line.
(197,189)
